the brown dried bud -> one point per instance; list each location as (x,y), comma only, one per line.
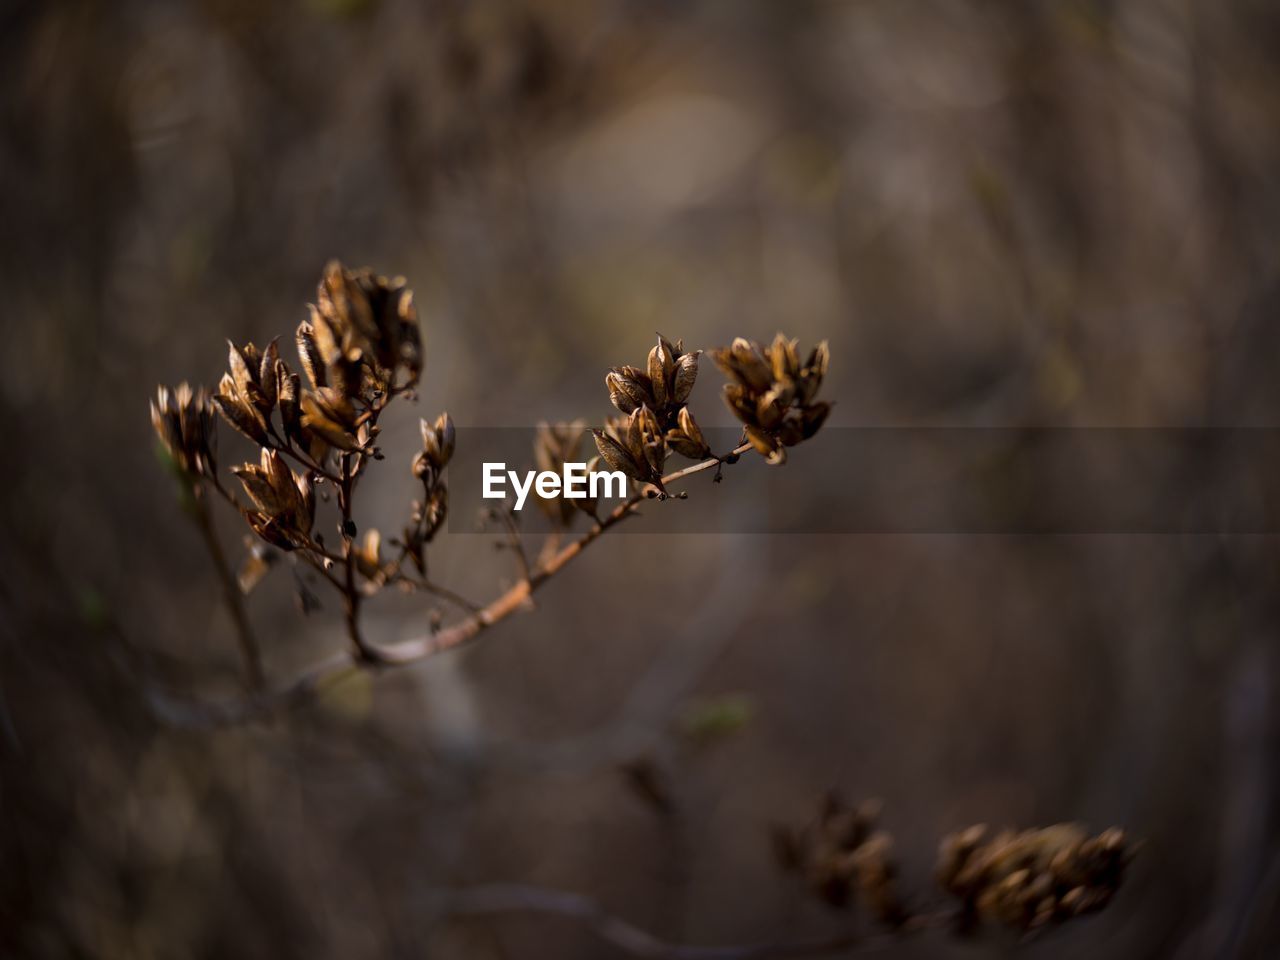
(288,387)
(842,857)
(284,502)
(634,445)
(369,556)
(772,392)
(663,386)
(629,388)
(686,438)
(438,441)
(360,316)
(240,398)
(246,365)
(1033,878)
(328,412)
(183,420)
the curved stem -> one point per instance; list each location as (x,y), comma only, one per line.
(350,593)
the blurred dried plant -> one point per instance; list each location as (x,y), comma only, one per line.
(360,349)
(1027,880)
(1023,881)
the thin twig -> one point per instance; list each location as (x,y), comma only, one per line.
(515,542)
(230,592)
(351,595)
(444,593)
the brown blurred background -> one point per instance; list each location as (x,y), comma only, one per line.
(1058,214)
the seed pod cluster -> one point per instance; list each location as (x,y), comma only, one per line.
(844,858)
(284,503)
(773,393)
(663,387)
(183,420)
(361,316)
(359,343)
(1030,879)
(635,445)
(428,513)
(554,445)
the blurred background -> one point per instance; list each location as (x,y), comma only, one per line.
(1047,214)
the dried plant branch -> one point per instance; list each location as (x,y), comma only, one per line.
(359,350)
(351,596)
(405,652)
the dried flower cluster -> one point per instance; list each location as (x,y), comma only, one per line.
(316,433)
(428,513)
(773,393)
(1024,881)
(1027,880)
(285,502)
(359,350)
(844,858)
(183,419)
(656,416)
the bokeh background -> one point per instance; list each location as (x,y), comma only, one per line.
(1047,214)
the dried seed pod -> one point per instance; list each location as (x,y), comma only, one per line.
(361,318)
(663,386)
(369,556)
(183,420)
(772,392)
(237,400)
(268,379)
(629,388)
(288,387)
(686,438)
(1026,880)
(629,445)
(618,457)
(245,365)
(329,413)
(661,369)
(686,373)
(309,354)
(843,859)
(438,441)
(284,504)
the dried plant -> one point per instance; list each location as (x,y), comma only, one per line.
(1022,881)
(360,350)
(317,433)
(1030,879)
(773,393)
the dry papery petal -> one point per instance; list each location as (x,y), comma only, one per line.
(616,455)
